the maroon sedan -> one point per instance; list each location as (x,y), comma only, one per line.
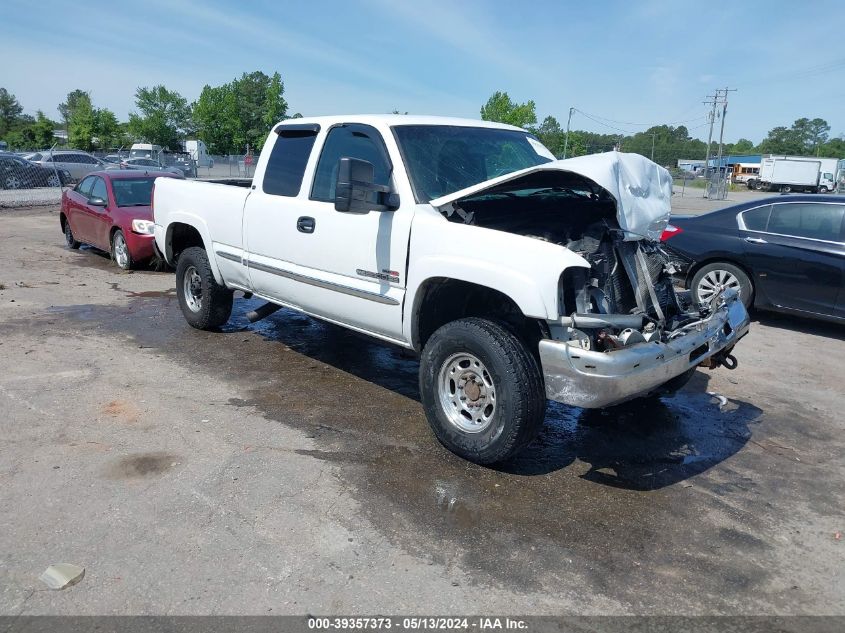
(111,210)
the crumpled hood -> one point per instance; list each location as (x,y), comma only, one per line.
(641,188)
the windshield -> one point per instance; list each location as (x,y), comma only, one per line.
(132,192)
(442,159)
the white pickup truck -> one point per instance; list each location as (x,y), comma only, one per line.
(515,277)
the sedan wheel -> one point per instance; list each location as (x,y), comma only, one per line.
(12,182)
(714,278)
(54,181)
(120,251)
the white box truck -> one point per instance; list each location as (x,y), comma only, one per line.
(795,173)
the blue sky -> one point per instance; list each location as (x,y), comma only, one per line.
(630,63)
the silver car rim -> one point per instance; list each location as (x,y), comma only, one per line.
(13,182)
(192,289)
(714,282)
(53,181)
(121,251)
(467,393)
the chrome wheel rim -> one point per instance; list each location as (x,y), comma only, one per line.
(53,181)
(13,182)
(121,251)
(715,282)
(192,289)
(467,393)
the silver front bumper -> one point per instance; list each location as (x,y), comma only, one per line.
(594,380)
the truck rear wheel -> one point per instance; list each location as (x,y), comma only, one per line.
(205,304)
(481,390)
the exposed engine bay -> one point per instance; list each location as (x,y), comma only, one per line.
(625,297)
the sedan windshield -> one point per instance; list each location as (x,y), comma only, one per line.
(132,192)
(442,159)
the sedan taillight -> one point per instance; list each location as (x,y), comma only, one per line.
(670,231)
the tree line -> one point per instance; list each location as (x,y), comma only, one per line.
(230,118)
(236,116)
(664,143)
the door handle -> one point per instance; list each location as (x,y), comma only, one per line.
(305,224)
(755,240)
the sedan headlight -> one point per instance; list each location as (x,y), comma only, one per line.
(145,227)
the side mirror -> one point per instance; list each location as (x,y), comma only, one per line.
(356,191)
(96,202)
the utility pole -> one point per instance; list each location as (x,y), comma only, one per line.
(720,98)
(652,145)
(722,130)
(712,117)
(566,142)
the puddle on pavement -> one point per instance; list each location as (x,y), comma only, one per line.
(596,487)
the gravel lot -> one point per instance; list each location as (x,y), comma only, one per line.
(287,467)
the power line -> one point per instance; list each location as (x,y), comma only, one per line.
(596,116)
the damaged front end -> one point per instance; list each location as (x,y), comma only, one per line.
(628,331)
(624,330)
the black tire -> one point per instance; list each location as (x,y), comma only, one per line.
(823,189)
(69,239)
(211,305)
(746,287)
(516,386)
(120,251)
(785,189)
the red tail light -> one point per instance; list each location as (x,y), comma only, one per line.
(670,231)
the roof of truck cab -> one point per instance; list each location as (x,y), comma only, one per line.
(397,119)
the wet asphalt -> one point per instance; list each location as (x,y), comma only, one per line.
(725,498)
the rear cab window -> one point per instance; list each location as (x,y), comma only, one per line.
(288,158)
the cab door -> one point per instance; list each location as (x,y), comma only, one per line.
(346,267)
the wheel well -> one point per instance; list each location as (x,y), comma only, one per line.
(179,237)
(442,300)
(62,221)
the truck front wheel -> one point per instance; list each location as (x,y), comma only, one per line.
(205,304)
(481,390)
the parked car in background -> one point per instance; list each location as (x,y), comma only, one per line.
(110,210)
(785,253)
(149,164)
(76,162)
(183,162)
(19,173)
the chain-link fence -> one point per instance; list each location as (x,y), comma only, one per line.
(31,178)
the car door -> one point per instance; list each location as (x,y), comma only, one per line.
(345,267)
(101,220)
(80,220)
(799,258)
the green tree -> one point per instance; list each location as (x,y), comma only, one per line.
(82,124)
(742,146)
(230,117)
(550,134)
(780,140)
(501,108)
(164,116)
(107,129)
(67,107)
(42,131)
(10,110)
